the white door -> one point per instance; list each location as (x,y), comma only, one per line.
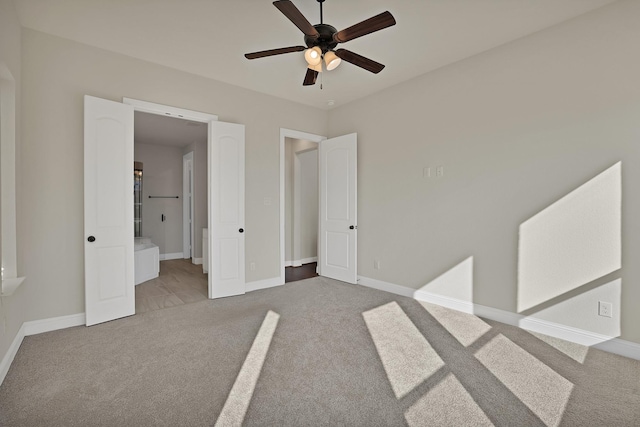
(338,208)
(226,211)
(108,210)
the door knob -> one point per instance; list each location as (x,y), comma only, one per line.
(241,230)
(91,239)
(351,227)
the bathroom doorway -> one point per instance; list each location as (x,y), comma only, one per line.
(171,154)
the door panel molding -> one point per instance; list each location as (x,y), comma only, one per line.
(108,210)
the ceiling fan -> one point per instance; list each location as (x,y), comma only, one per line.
(322,39)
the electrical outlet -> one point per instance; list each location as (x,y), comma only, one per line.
(252,266)
(440,171)
(605,309)
(376,264)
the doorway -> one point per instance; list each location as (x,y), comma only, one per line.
(301,204)
(109,211)
(337,213)
(171,154)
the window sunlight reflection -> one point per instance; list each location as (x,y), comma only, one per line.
(466,328)
(235,407)
(575,351)
(538,386)
(457,282)
(447,404)
(573,242)
(407,357)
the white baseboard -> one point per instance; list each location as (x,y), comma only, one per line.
(386,286)
(263,284)
(300,262)
(37,327)
(175,255)
(196,261)
(567,333)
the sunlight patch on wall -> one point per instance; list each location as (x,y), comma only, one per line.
(539,387)
(447,404)
(466,328)
(235,407)
(407,357)
(456,283)
(572,242)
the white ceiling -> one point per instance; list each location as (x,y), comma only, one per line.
(161,130)
(210,37)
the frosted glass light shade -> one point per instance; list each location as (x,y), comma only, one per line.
(313,56)
(317,67)
(332,60)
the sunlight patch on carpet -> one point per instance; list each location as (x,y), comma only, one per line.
(407,357)
(538,386)
(235,407)
(466,328)
(447,404)
(575,351)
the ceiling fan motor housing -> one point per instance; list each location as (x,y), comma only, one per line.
(325,40)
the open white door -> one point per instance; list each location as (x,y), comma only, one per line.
(108,210)
(226,209)
(338,237)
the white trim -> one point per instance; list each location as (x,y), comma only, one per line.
(623,348)
(166,110)
(196,261)
(11,354)
(9,286)
(10,279)
(289,133)
(263,284)
(567,333)
(181,113)
(175,255)
(300,262)
(386,286)
(37,327)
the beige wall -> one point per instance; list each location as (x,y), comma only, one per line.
(13,308)
(516,129)
(307,237)
(309,206)
(162,176)
(56,75)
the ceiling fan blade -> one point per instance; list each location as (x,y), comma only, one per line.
(359,60)
(290,11)
(271,52)
(371,25)
(310,77)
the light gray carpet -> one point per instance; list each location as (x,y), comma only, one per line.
(340,355)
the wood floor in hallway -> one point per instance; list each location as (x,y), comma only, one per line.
(305,271)
(180,282)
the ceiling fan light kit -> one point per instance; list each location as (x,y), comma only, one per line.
(331,60)
(322,39)
(313,55)
(317,67)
